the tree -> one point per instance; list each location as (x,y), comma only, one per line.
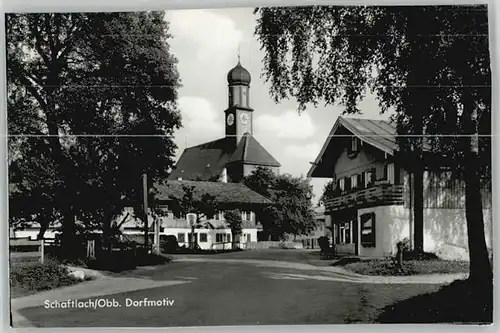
(291,212)
(204,206)
(430,64)
(234,221)
(79,84)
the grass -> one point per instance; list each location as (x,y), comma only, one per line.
(459,302)
(410,267)
(30,278)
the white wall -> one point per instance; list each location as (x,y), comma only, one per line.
(33,233)
(211,236)
(442,228)
(391,226)
(449,227)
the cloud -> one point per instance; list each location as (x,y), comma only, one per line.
(307,152)
(213,35)
(199,118)
(287,125)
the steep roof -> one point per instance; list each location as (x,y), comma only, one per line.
(250,151)
(380,134)
(203,161)
(233,193)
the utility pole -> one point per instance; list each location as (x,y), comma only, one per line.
(145,196)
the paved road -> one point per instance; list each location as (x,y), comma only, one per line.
(222,292)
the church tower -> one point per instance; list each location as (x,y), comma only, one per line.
(239,114)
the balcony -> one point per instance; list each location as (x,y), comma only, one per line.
(376,195)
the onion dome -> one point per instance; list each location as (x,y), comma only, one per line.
(238,75)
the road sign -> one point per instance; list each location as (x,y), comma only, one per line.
(191,219)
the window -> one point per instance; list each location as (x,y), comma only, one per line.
(353,147)
(354,181)
(221,238)
(246,216)
(370,177)
(203,237)
(361,180)
(347,183)
(181,237)
(368,229)
(344,234)
(389,173)
(342,184)
(219,216)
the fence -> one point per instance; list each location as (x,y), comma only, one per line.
(273,245)
(27,250)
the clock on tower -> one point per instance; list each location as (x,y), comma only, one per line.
(239,112)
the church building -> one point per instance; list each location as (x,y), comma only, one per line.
(234,156)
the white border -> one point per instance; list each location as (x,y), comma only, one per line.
(131,5)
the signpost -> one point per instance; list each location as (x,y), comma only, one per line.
(191,220)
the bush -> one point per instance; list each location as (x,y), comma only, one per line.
(324,244)
(41,276)
(115,261)
(169,244)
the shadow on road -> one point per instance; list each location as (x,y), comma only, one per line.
(458,302)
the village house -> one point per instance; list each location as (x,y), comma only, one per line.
(212,233)
(371,207)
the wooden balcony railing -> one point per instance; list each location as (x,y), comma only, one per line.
(377,195)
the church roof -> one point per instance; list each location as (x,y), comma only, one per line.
(207,160)
(203,161)
(250,151)
(233,193)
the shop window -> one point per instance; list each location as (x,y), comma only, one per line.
(368,229)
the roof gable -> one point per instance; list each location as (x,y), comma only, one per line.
(250,151)
(204,161)
(230,193)
(377,133)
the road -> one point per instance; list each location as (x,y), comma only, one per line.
(226,291)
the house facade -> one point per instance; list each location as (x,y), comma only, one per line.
(371,206)
(213,232)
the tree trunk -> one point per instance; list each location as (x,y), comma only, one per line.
(44,224)
(480,271)
(418,208)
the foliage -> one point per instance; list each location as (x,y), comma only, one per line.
(204,206)
(234,221)
(83,75)
(410,267)
(428,64)
(292,211)
(41,276)
(169,244)
(328,191)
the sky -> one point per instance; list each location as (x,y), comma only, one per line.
(206,44)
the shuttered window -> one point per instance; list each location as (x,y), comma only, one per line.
(389,173)
(368,229)
(354,181)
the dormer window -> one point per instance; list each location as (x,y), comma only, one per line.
(353,147)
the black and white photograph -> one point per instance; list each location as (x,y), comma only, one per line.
(297,165)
